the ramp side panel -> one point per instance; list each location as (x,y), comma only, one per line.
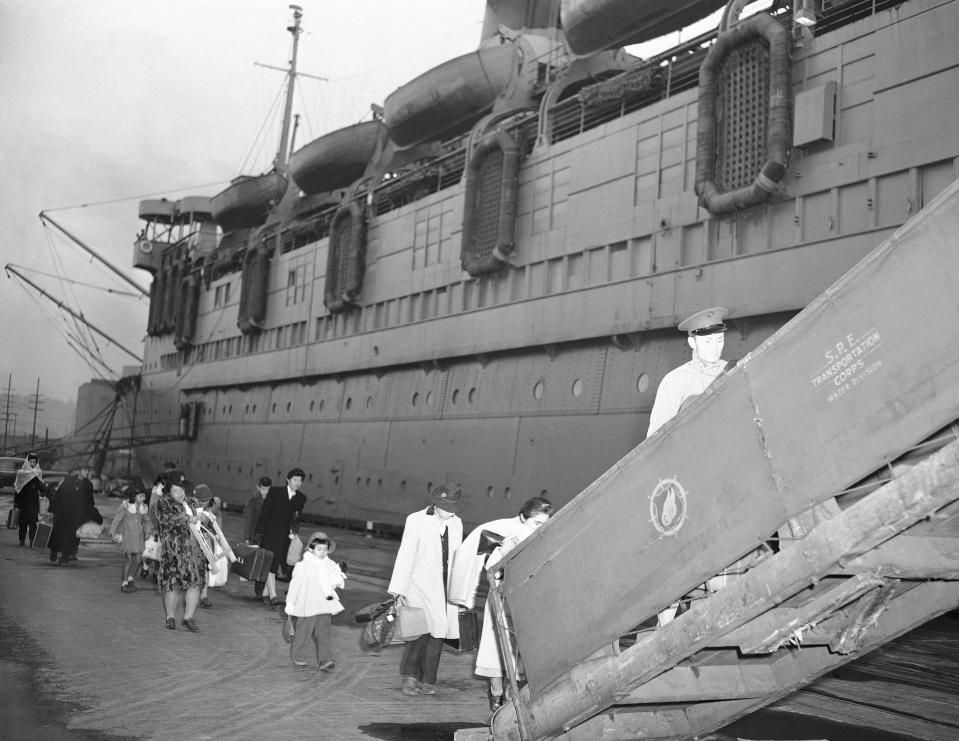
(650,529)
(763,444)
(870,367)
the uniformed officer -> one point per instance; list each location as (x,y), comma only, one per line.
(706,331)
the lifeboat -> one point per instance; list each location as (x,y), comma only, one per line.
(449,98)
(336,159)
(595,25)
(247,200)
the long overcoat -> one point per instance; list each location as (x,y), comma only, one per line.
(280,515)
(72,505)
(418,569)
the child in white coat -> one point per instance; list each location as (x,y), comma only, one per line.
(313,601)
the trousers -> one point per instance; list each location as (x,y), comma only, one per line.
(421,658)
(313,629)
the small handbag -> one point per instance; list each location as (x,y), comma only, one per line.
(89,530)
(151,549)
(411,622)
(295,552)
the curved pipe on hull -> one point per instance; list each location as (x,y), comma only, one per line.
(451,97)
(596,25)
(779,121)
(336,159)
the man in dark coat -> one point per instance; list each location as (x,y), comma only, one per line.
(279,517)
(72,506)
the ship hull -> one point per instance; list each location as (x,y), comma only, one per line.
(535,380)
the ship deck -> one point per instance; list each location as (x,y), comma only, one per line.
(81,660)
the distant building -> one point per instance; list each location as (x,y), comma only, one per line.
(93,398)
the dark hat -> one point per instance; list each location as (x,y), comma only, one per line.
(265,481)
(319,534)
(707,321)
(202,491)
(446,496)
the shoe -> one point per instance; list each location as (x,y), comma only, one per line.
(128,587)
(300,663)
(170,624)
(190,625)
(271,602)
(411,687)
(327,666)
(495,702)
(53,558)
(205,603)
(427,689)
(62,562)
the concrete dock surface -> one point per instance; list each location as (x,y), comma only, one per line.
(82,661)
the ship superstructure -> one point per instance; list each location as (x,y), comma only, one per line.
(482,283)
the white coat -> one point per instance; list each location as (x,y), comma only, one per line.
(314,581)
(466,573)
(418,570)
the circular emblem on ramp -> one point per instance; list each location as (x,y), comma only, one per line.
(667,506)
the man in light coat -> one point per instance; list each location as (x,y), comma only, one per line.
(420,577)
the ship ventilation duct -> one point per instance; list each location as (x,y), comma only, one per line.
(254,282)
(489,204)
(753,84)
(345,259)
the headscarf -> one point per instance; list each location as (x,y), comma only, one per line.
(26,473)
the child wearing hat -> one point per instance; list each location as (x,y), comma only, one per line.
(312,601)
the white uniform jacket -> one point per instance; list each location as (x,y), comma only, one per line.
(688,380)
(418,570)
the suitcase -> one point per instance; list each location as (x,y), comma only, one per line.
(42,539)
(13,518)
(252,562)
(469,632)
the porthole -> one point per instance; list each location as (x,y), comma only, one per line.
(254,408)
(455,395)
(273,408)
(349,403)
(359,481)
(247,409)
(429,486)
(472,395)
(577,389)
(368,480)
(224,409)
(490,492)
(416,398)
(544,493)
(538,390)
(322,404)
(429,398)
(403,484)
(642,383)
(289,406)
(379,483)
(312,403)
(507,492)
(231,409)
(369,402)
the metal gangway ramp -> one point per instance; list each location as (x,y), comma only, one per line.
(836,442)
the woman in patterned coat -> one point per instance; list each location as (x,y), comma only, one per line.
(182,566)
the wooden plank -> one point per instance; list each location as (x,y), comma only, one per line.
(842,711)
(910,557)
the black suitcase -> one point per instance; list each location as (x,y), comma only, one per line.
(13,518)
(42,539)
(469,632)
(252,563)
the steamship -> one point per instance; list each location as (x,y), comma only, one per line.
(481,284)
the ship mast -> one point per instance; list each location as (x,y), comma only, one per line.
(281,153)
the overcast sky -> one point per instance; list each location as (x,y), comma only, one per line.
(106,102)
